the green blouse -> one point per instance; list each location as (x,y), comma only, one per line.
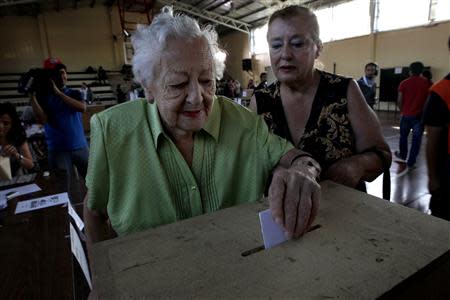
(139,177)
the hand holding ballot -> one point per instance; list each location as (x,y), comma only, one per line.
(294,193)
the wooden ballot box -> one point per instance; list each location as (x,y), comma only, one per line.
(365,246)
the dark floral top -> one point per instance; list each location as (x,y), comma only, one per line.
(328,134)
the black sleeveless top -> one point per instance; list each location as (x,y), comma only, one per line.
(328,134)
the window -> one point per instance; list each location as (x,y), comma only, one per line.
(258,40)
(351,19)
(394,14)
(325,19)
(441,10)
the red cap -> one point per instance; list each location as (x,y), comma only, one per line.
(51,62)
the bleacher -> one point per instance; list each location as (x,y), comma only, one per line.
(103,94)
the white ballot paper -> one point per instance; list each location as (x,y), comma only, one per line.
(21,190)
(78,251)
(75,216)
(273,233)
(8,194)
(38,203)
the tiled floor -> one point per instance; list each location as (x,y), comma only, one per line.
(411,188)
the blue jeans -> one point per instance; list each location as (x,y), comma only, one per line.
(408,123)
(65,160)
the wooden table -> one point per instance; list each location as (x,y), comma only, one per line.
(35,254)
(363,249)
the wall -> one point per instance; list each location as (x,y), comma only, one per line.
(90,42)
(79,37)
(389,49)
(236,44)
(20,48)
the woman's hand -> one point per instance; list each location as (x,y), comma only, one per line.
(294,197)
(10,151)
(347,171)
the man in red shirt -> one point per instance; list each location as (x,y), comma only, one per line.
(412,95)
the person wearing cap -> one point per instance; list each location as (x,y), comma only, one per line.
(61,113)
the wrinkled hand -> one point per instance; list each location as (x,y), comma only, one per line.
(346,171)
(294,197)
(11,151)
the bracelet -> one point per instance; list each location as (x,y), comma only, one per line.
(311,164)
(294,156)
(288,159)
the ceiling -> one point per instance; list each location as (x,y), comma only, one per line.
(226,14)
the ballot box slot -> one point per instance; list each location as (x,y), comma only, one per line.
(261,248)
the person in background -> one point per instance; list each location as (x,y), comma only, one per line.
(428,76)
(121,97)
(319,112)
(263,81)
(251,84)
(436,118)
(367,83)
(61,113)
(237,88)
(86,93)
(229,89)
(101,75)
(133,93)
(412,95)
(184,151)
(13,140)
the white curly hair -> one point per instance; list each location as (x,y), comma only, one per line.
(149,41)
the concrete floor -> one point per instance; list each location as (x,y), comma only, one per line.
(410,189)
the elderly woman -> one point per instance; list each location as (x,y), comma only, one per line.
(321,113)
(187,152)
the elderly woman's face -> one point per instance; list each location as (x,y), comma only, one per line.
(185,88)
(292,48)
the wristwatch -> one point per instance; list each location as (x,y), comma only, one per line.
(21,157)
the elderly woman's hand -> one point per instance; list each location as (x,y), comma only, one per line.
(294,197)
(347,171)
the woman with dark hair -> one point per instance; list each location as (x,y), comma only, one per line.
(13,140)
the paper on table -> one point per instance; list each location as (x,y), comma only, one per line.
(38,203)
(273,233)
(78,251)
(76,217)
(19,191)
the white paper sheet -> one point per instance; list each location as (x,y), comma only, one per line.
(273,233)
(78,252)
(38,203)
(76,217)
(20,190)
